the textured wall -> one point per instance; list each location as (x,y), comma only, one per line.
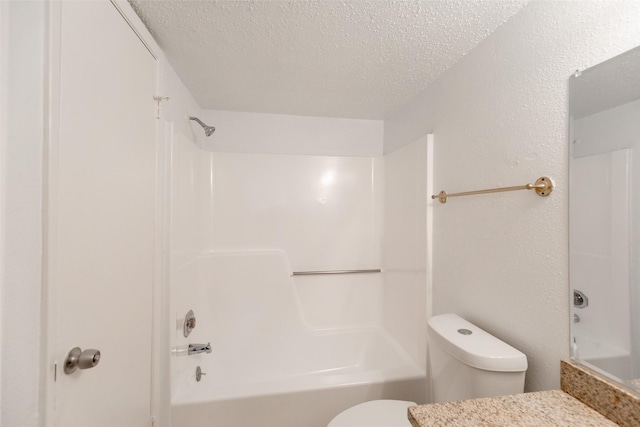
(500,118)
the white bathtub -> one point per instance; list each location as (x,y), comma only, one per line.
(605,357)
(268,367)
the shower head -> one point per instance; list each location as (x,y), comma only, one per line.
(208,130)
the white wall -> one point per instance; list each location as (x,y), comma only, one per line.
(186,209)
(324,212)
(182,241)
(180,103)
(404,248)
(282,134)
(21,154)
(499,118)
(613,129)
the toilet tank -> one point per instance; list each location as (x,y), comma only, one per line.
(467,362)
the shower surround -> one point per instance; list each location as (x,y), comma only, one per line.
(241,224)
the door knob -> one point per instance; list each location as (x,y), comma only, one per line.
(76,358)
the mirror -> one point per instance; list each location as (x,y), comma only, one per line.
(604,217)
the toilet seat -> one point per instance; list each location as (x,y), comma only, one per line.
(375,413)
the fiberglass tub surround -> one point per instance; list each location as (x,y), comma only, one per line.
(262,343)
(243,224)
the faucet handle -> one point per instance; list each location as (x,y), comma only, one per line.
(200,348)
(189,323)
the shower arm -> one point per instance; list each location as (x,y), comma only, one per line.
(208,130)
(197,120)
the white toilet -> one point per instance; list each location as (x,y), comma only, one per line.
(466,363)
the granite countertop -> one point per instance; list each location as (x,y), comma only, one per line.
(553,408)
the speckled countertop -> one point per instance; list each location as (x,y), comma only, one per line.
(553,408)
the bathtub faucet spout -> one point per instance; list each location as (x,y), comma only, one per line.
(199,348)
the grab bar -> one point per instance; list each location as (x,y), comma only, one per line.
(311,273)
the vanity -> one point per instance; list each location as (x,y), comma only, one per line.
(586,399)
(600,386)
(545,408)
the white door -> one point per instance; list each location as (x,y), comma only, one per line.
(100,223)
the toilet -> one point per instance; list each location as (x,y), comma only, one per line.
(466,363)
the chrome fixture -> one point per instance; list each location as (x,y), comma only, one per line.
(580,300)
(199,348)
(76,358)
(189,323)
(208,130)
(543,187)
(199,373)
(309,273)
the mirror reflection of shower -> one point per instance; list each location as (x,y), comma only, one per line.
(604,203)
(208,130)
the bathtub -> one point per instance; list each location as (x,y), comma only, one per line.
(269,367)
(605,357)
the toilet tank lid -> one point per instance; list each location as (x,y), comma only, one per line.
(478,348)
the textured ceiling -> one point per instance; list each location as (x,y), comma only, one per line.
(353,58)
